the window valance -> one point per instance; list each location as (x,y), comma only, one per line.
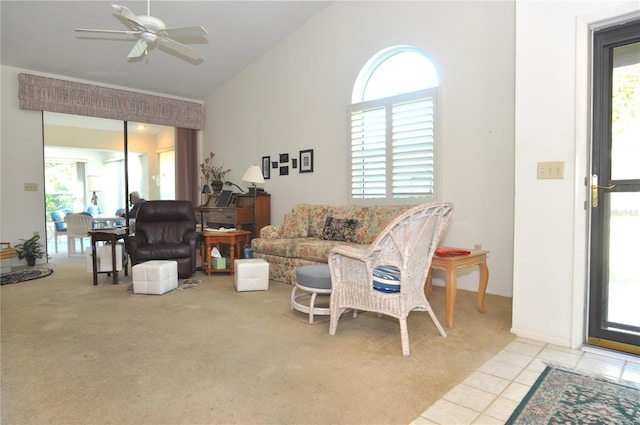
(54,95)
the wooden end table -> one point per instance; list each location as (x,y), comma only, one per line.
(450,265)
(111,236)
(216,238)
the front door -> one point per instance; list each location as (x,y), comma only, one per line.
(614,287)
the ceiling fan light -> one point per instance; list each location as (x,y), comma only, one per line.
(149,37)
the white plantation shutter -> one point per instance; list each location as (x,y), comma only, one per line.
(392,147)
(368,153)
(412,149)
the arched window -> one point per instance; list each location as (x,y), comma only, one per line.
(393,126)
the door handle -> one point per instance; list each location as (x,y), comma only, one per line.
(594,190)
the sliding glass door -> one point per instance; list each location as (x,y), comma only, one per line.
(91,165)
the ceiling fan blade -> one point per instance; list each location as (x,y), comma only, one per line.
(197,31)
(128,32)
(180,48)
(138,50)
(124,12)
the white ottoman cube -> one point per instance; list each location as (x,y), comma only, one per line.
(155,277)
(251,274)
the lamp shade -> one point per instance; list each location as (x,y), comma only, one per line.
(253,175)
(94,184)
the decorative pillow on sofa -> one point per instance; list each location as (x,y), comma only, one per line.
(339,229)
(295,226)
(386,279)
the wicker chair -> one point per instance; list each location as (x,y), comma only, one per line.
(406,245)
(78,226)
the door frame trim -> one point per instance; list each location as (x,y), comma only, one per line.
(585,26)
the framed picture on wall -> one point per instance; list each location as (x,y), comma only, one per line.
(284,170)
(266,167)
(294,162)
(306,161)
(284,158)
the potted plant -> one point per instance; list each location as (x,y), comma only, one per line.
(213,174)
(30,249)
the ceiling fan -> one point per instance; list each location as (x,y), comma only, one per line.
(151,31)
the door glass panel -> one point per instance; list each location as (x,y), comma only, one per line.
(86,169)
(625,119)
(624,252)
(151,160)
(614,283)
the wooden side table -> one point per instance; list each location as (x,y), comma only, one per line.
(111,236)
(450,265)
(210,239)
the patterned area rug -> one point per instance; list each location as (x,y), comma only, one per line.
(561,396)
(22,275)
(188,283)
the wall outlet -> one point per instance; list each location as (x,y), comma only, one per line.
(31,187)
(551,170)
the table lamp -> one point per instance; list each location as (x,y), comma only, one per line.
(93,185)
(253,176)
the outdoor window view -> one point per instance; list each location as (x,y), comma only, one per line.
(624,274)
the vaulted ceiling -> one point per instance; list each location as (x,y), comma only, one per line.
(40,36)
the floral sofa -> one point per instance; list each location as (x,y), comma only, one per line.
(309,232)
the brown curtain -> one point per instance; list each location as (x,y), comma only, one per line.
(187,185)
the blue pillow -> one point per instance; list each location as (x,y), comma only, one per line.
(386,279)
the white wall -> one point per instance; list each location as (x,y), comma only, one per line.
(297,96)
(21,158)
(552,125)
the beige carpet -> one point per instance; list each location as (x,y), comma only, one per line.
(74,353)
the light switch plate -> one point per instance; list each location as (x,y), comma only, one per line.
(31,187)
(551,170)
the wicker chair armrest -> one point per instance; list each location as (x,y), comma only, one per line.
(360,253)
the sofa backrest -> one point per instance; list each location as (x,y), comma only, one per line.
(371,219)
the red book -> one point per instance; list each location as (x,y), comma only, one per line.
(451,252)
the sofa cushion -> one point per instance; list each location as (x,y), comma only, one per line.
(310,249)
(314,249)
(339,229)
(279,247)
(296,225)
(317,216)
(381,217)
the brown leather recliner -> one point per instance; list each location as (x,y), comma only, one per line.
(165,230)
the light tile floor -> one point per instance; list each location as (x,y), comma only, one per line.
(492,393)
